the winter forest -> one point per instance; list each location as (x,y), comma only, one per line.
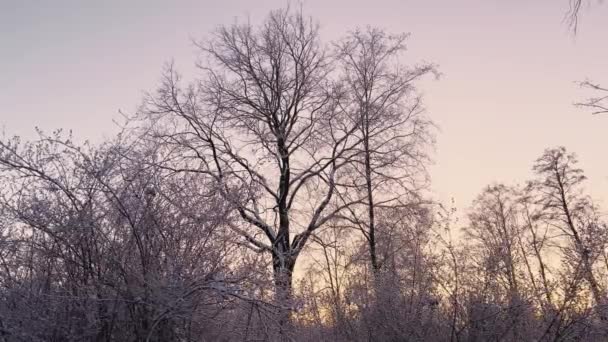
(281,194)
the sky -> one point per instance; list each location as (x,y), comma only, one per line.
(508,84)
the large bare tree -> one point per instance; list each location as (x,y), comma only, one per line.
(265,124)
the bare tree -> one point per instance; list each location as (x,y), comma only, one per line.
(559,192)
(286,151)
(102,247)
(390,168)
(265,125)
(494,234)
(495,229)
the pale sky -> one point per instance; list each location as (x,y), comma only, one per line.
(506,92)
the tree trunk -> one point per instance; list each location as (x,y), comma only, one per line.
(370,199)
(283,266)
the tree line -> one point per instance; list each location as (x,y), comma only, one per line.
(283,195)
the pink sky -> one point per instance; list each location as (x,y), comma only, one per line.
(506,92)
